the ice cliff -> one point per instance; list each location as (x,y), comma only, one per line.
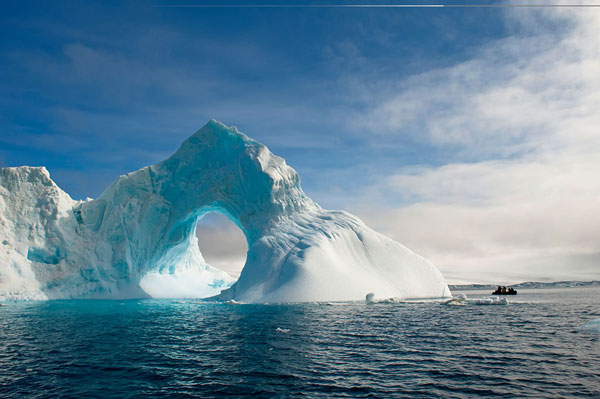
(138,238)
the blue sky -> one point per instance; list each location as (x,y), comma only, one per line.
(103,89)
(436,126)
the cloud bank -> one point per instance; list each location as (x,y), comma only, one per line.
(521,118)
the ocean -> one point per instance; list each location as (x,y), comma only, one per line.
(543,344)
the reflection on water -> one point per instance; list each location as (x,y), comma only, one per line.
(534,347)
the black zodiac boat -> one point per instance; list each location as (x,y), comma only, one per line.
(504,291)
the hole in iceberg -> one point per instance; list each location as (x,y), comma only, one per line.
(222,243)
(208,261)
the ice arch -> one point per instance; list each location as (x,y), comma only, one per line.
(184,273)
(144,223)
(148,216)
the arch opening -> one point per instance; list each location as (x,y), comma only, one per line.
(222,244)
(207,255)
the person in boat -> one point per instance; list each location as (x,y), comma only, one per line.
(503,291)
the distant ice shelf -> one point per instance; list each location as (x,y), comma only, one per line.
(138,238)
(528,284)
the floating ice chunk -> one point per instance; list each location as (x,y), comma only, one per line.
(390,300)
(232,302)
(458,300)
(462,299)
(282,330)
(488,301)
(592,326)
(370,298)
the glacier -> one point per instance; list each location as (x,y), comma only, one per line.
(137,239)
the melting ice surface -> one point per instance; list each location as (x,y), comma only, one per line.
(138,238)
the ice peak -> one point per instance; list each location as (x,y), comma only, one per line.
(215,128)
(27,170)
(26,174)
(213,138)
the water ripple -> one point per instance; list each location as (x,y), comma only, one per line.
(154,349)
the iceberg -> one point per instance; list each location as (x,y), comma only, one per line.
(137,239)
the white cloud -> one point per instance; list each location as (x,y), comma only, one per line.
(500,217)
(510,98)
(523,115)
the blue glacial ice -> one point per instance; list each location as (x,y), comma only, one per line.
(138,238)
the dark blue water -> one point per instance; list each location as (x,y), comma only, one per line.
(533,347)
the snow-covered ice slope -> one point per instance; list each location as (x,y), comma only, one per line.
(35,221)
(138,238)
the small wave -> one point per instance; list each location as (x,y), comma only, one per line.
(592,326)
(282,330)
